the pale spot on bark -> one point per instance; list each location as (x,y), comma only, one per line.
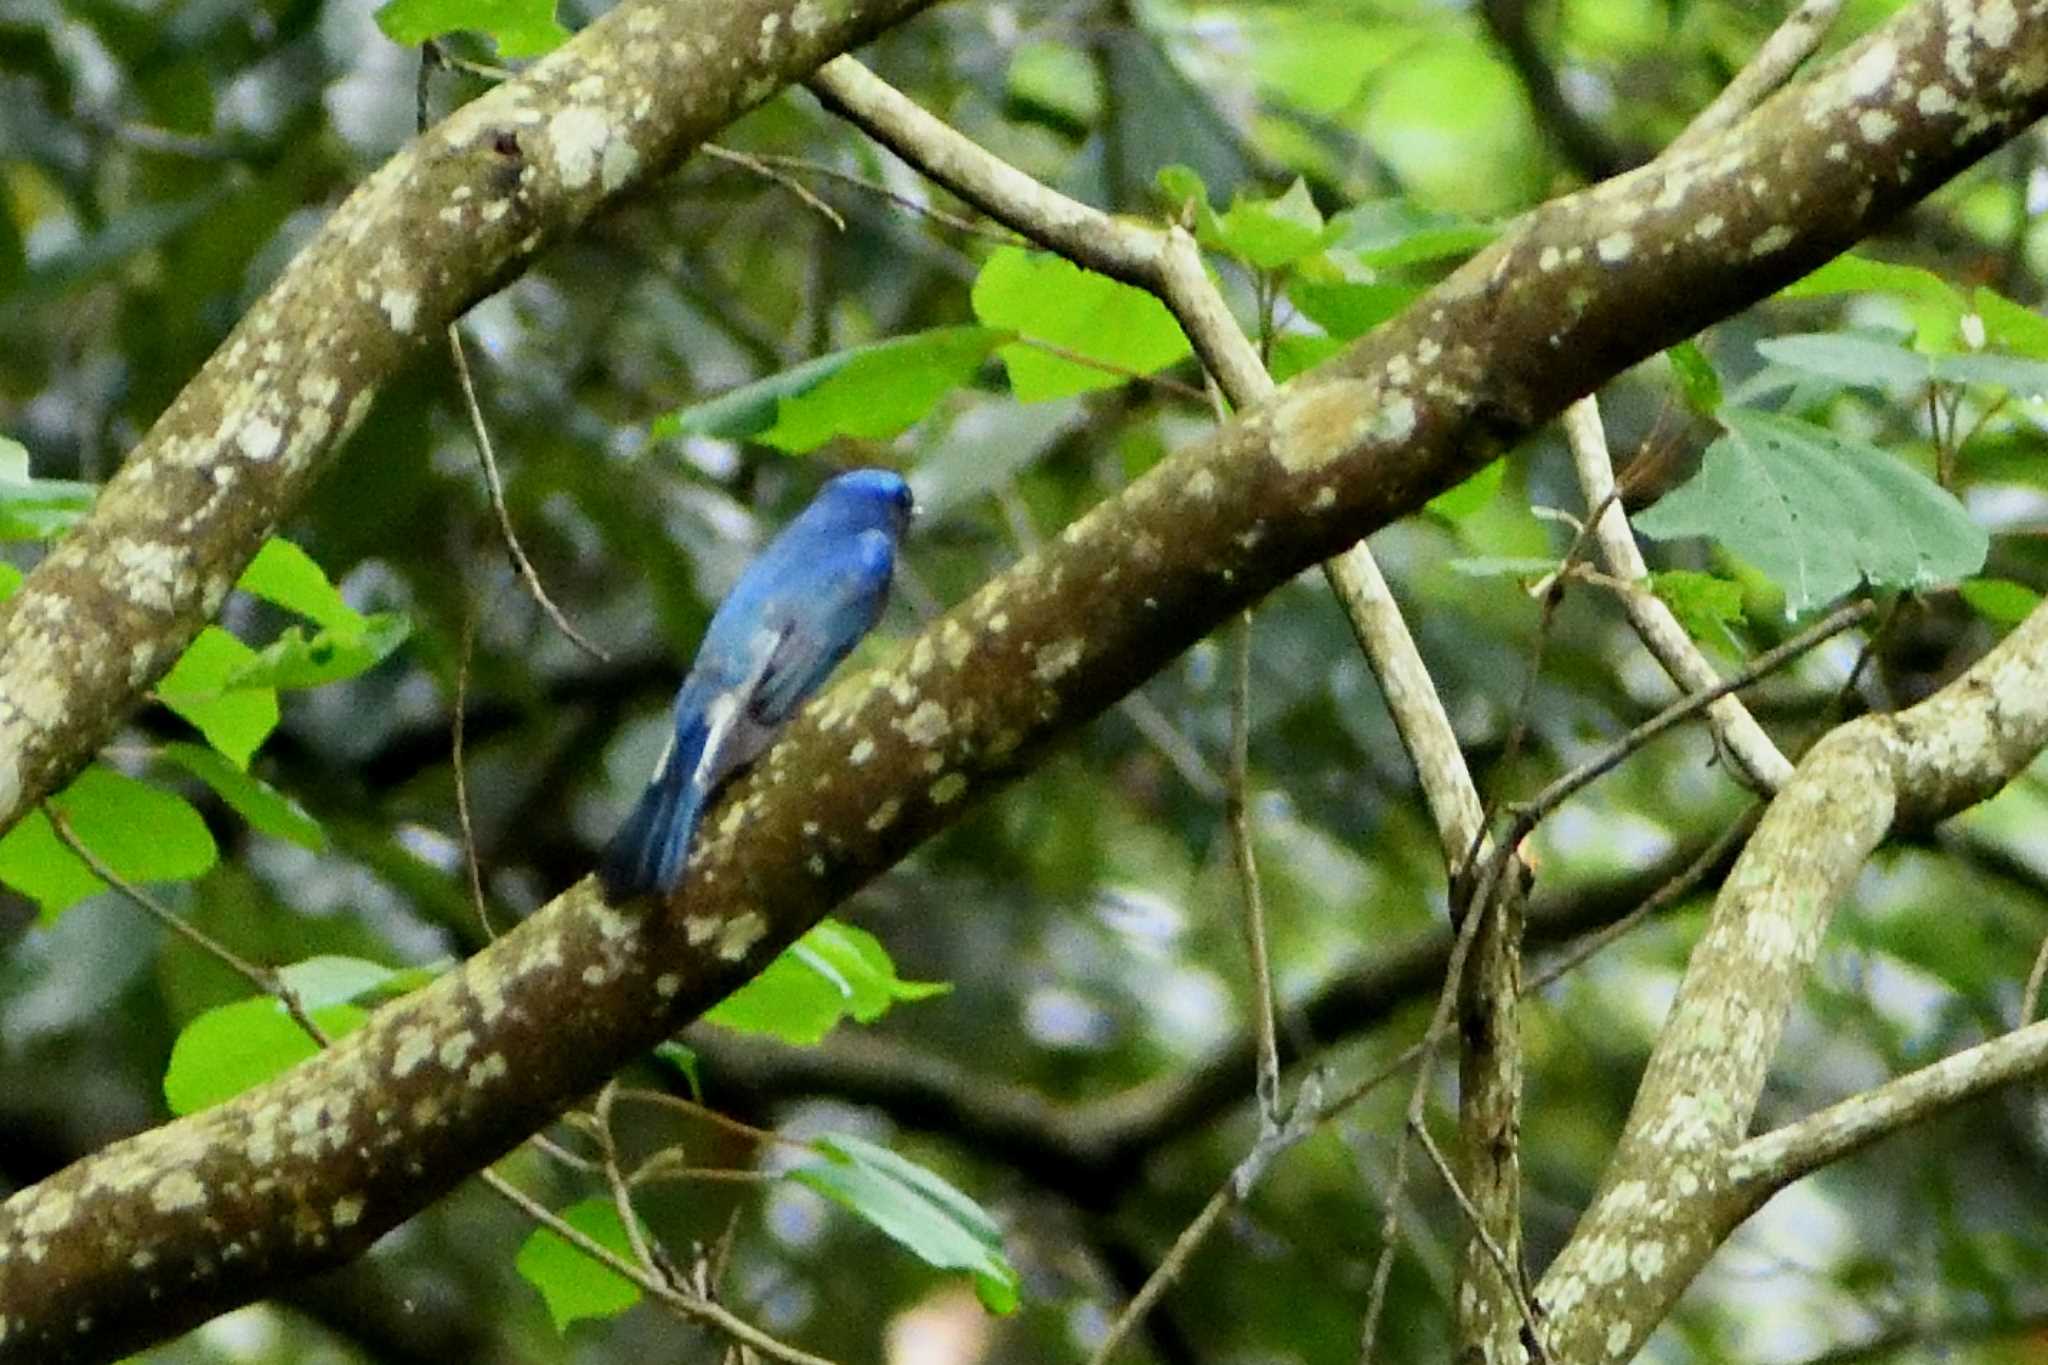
(578,136)
(175,1191)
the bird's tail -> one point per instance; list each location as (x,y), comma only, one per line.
(646,855)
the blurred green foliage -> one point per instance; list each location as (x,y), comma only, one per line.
(160,163)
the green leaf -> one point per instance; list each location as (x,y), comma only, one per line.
(334,979)
(917,1210)
(1456,504)
(1697,379)
(1937,308)
(870,391)
(1347,311)
(2023,375)
(1389,233)
(2011,326)
(233,1047)
(832,972)
(882,390)
(295,659)
(520,28)
(286,575)
(1853,359)
(1705,605)
(1315,61)
(572,1284)
(10,579)
(1818,512)
(235,717)
(1271,233)
(262,805)
(1860,360)
(1049,299)
(1058,77)
(682,1059)
(32,508)
(1295,352)
(2000,601)
(141,832)
(1187,198)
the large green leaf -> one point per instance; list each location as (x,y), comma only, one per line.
(32,508)
(521,28)
(1048,299)
(572,1284)
(1347,309)
(143,833)
(830,974)
(873,392)
(1819,513)
(235,717)
(1935,305)
(1390,233)
(286,575)
(296,659)
(1270,233)
(2011,326)
(230,1048)
(262,805)
(1859,360)
(917,1210)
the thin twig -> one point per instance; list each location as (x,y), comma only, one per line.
(1425,1052)
(1755,757)
(575,1161)
(462,817)
(497,490)
(679,1300)
(1125,372)
(1790,44)
(1527,813)
(759,166)
(1671,892)
(615,1177)
(805,166)
(1238,815)
(663,1100)
(1170,1266)
(1510,1274)
(266,980)
(2030,997)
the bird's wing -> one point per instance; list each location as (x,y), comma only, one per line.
(841,604)
(734,735)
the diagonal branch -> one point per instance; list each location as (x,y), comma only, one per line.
(307,1170)
(463,208)
(1669,1196)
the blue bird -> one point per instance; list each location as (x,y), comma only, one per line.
(798,609)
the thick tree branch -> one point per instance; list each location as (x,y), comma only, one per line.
(466,206)
(1169,265)
(307,1170)
(1670,1195)
(1764,1165)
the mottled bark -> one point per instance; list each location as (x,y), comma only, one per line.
(202,1214)
(464,207)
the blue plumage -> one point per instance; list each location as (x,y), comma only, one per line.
(798,609)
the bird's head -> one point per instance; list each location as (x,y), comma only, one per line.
(864,498)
